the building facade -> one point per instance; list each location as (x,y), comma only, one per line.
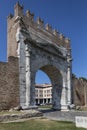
(43,94)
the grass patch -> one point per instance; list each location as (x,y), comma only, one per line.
(45,106)
(39,124)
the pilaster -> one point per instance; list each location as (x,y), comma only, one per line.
(64,105)
(21,56)
(69,74)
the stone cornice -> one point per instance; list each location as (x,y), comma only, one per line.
(50,48)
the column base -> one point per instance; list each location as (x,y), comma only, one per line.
(64,108)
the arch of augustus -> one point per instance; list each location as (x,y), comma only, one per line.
(38,47)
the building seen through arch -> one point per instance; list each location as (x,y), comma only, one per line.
(43,89)
(43,94)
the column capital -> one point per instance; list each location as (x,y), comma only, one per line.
(19,36)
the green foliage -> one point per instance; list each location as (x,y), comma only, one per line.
(73,76)
(83,78)
(39,124)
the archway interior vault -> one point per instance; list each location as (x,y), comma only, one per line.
(57,83)
(42,78)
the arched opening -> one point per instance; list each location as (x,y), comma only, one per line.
(50,88)
(42,78)
(43,89)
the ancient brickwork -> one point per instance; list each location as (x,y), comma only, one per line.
(9,84)
(79,91)
(38,31)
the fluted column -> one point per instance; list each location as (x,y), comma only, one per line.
(28,75)
(69,87)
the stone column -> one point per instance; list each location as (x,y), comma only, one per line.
(69,85)
(47,100)
(38,101)
(30,81)
(43,100)
(69,89)
(28,76)
(64,93)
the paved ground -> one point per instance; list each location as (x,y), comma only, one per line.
(62,115)
(47,113)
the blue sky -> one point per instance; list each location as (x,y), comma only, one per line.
(67,16)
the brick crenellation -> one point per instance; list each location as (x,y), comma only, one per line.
(28,19)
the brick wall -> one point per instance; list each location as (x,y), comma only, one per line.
(79,91)
(9,84)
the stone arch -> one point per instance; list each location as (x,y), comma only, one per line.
(57,84)
(39,47)
(51,60)
(58,81)
(42,78)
